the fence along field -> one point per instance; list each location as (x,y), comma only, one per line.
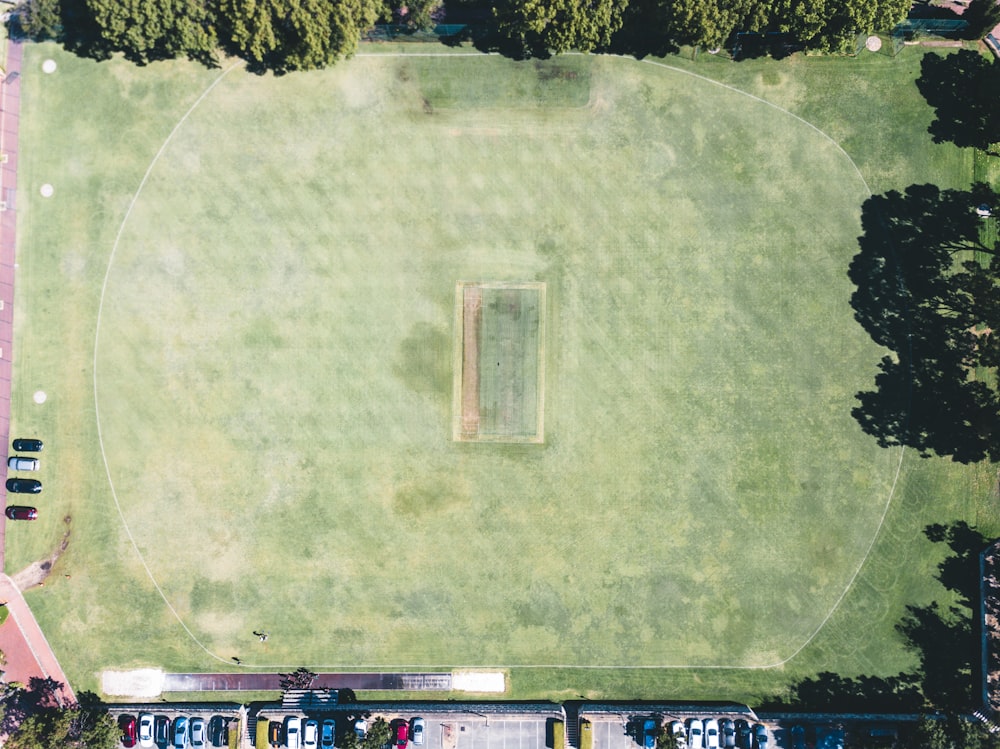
(499,380)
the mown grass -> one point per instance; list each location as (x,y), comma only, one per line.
(273,375)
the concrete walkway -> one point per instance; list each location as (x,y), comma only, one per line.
(28,652)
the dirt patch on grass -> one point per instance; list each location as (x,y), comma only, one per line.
(37,572)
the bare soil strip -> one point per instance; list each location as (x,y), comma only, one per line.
(472,316)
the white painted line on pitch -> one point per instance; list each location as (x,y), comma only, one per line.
(97,340)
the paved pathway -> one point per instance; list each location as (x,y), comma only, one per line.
(258,682)
(21,639)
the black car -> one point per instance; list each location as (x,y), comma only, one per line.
(22,445)
(161,730)
(24,486)
(744,735)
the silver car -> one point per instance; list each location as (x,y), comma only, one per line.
(20,463)
(197,733)
(417,732)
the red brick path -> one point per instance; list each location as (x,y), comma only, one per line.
(21,639)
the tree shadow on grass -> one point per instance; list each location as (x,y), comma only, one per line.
(964,89)
(945,640)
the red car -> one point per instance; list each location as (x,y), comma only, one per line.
(402,733)
(127,724)
(14,512)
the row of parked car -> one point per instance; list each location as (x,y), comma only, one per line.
(708,734)
(186,733)
(311,734)
(17,485)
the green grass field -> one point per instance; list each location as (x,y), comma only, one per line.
(241,297)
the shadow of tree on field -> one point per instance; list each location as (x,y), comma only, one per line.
(945,640)
(935,318)
(964,89)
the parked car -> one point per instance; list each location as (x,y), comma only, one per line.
(218,731)
(310,735)
(274,733)
(695,734)
(293,732)
(728,731)
(402,734)
(649,734)
(361,728)
(197,733)
(328,734)
(21,463)
(798,737)
(744,736)
(181,734)
(127,725)
(22,445)
(16,512)
(417,731)
(161,730)
(712,733)
(146,729)
(760,736)
(24,486)
(678,733)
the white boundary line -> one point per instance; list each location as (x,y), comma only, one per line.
(97,341)
(425,666)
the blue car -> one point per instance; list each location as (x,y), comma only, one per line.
(649,734)
(181,736)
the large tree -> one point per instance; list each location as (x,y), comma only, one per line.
(964,89)
(540,27)
(285,35)
(147,30)
(928,289)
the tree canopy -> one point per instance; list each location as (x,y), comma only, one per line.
(288,35)
(928,289)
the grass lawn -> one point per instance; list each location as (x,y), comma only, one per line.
(249,369)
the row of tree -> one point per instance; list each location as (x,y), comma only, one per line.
(279,35)
(659,25)
(285,35)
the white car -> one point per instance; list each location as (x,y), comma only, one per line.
(695,734)
(361,728)
(293,732)
(310,734)
(197,733)
(20,463)
(712,734)
(145,730)
(417,732)
(678,733)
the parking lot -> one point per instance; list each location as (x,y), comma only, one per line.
(455,730)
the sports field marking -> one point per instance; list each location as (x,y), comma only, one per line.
(97,341)
(382,666)
(505,323)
